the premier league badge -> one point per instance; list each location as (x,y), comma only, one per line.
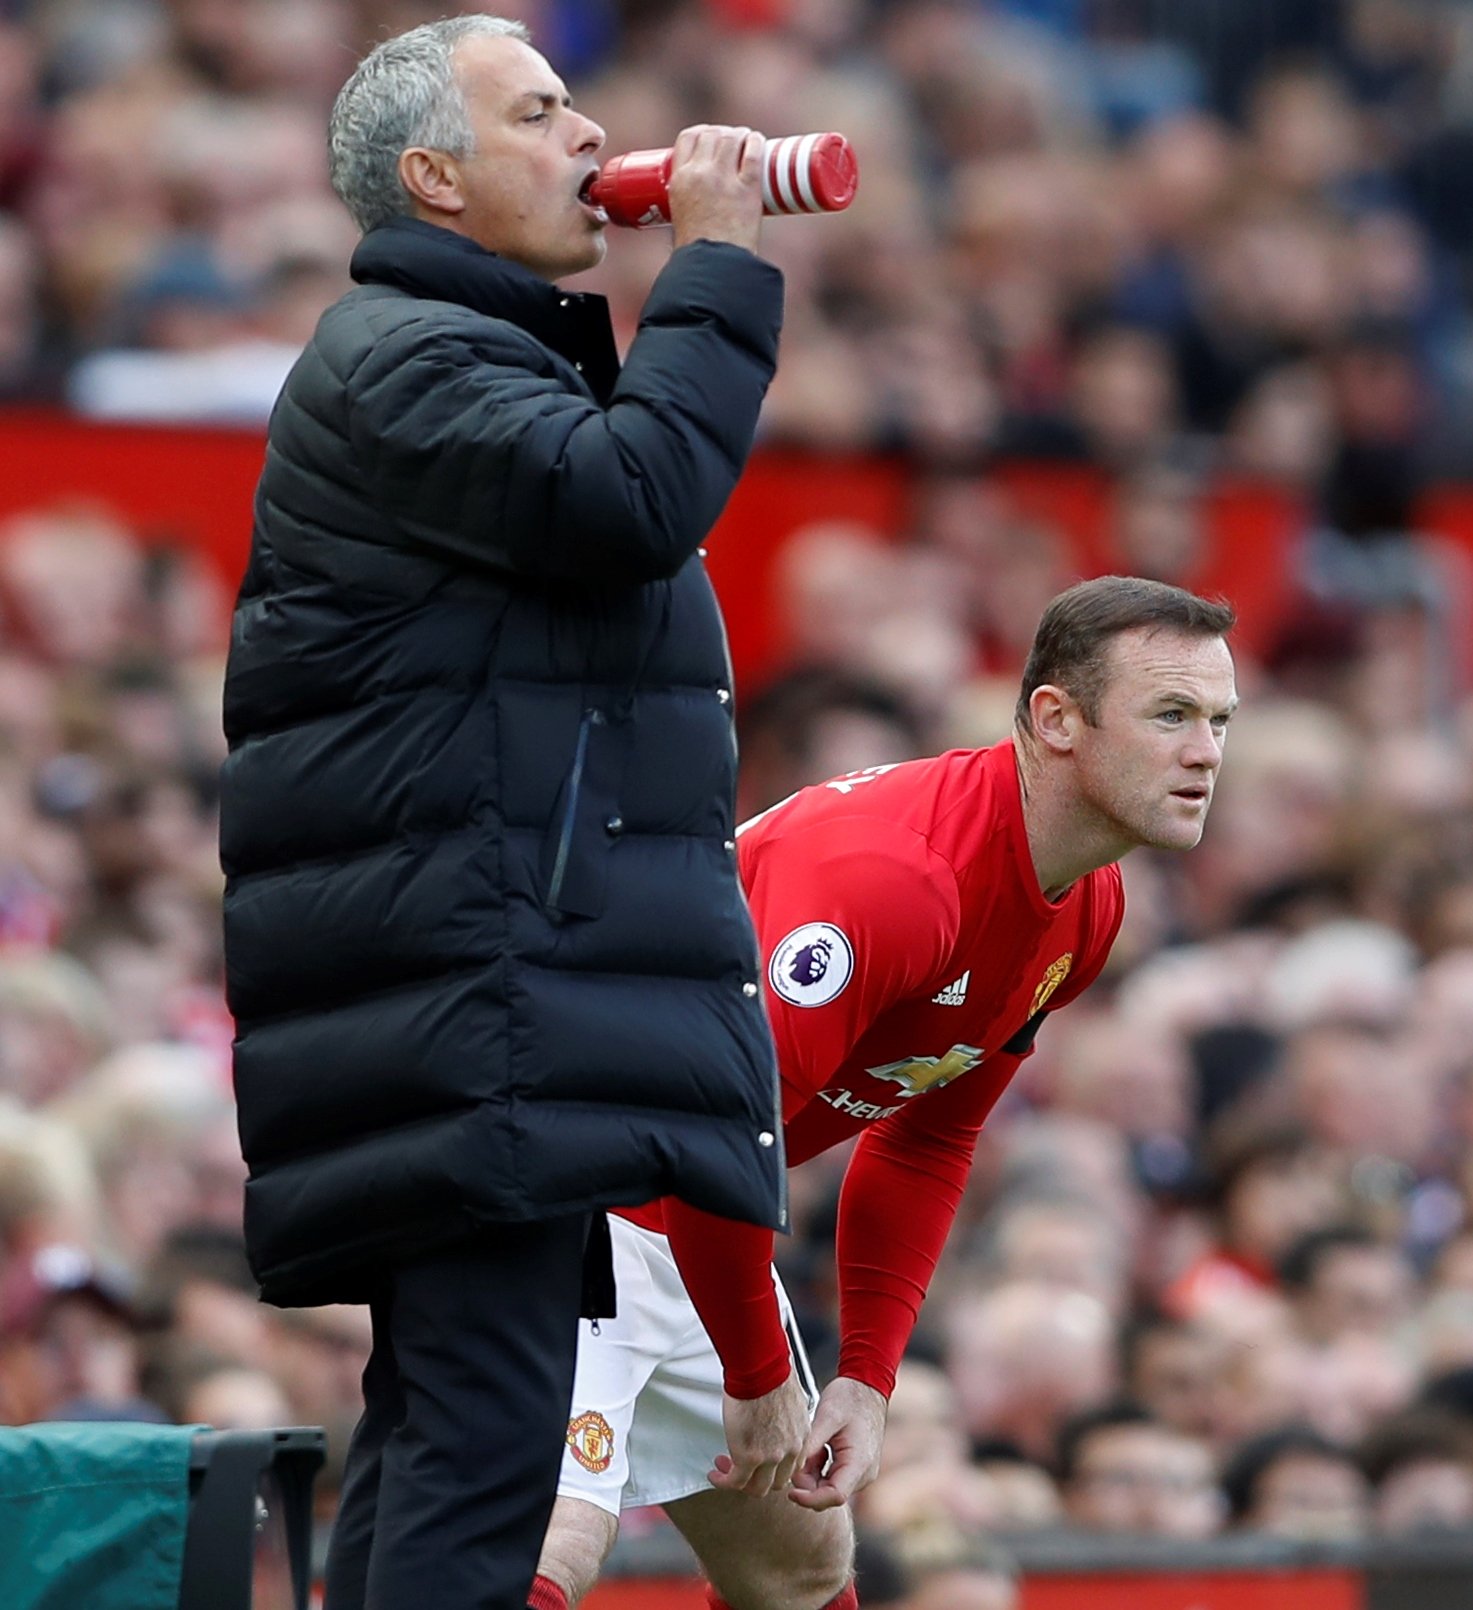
(812,965)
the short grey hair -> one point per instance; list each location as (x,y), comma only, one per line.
(403,93)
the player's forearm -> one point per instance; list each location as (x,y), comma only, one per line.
(897,1207)
(727,1269)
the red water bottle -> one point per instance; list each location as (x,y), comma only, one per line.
(800,173)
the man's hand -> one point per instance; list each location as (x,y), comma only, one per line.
(766,1438)
(716,186)
(847,1435)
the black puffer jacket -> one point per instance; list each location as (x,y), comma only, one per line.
(486,946)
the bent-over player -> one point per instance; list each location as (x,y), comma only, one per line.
(917,922)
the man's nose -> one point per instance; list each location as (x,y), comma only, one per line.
(591,137)
(1204,747)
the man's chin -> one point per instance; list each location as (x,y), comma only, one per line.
(1179,836)
(595,249)
(1167,832)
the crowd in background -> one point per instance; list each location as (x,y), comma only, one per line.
(1215,1270)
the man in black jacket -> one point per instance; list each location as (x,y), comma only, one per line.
(488,955)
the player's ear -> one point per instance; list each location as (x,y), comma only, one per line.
(1056,718)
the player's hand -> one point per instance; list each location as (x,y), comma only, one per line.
(843,1452)
(765,1437)
(716,185)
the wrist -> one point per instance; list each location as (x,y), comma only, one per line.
(877,1375)
(745,1385)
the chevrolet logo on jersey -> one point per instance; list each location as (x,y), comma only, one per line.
(916,1075)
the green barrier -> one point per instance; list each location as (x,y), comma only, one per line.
(93,1515)
(99,1516)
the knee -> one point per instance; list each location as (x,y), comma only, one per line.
(822,1574)
(811,1569)
(579,1537)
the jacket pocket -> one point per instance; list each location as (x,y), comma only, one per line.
(586,820)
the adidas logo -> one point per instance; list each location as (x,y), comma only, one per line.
(954,994)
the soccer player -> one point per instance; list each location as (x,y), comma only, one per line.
(918,922)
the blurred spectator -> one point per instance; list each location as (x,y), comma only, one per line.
(1355,1382)
(1060,1241)
(1139,1081)
(919,1503)
(1121,1470)
(197,1298)
(962,1574)
(1420,1467)
(142,1113)
(71,586)
(48,1185)
(231,1398)
(1342,1281)
(815,724)
(1293,1483)
(1171,1367)
(1271,1184)
(1023,1357)
(54,1023)
(67,1349)
(1264,1381)
(1159,527)
(923,1426)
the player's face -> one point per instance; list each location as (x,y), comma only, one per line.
(1150,763)
(533,154)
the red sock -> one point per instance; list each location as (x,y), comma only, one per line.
(546,1595)
(847,1600)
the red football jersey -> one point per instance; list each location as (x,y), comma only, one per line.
(909,956)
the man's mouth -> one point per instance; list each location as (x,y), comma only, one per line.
(585,196)
(1196,792)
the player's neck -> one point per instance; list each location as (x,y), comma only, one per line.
(1066,838)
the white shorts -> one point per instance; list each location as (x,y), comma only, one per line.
(646,1423)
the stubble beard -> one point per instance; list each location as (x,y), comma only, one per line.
(1139,824)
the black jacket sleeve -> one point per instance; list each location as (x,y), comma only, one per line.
(479,449)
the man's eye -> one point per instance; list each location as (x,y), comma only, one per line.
(536,117)
(1171,715)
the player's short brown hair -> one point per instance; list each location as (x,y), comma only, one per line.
(1073,638)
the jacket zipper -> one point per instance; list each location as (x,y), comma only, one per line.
(570,813)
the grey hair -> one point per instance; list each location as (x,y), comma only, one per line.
(403,93)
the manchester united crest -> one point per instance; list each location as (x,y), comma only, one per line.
(1058,971)
(591,1438)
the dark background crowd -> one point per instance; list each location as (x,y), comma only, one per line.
(1215,1269)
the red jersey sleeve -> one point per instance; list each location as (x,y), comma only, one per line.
(850,918)
(896,1208)
(906,1179)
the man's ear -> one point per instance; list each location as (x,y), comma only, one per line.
(1057,718)
(432,180)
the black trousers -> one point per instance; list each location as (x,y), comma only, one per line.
(452,1471)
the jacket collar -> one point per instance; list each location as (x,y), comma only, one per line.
(427,261)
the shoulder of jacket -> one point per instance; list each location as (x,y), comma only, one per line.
(367,319)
